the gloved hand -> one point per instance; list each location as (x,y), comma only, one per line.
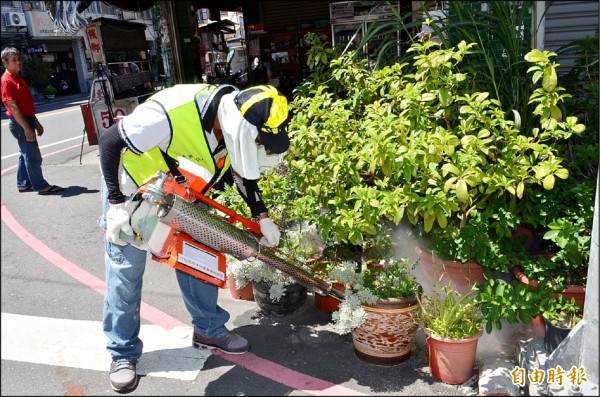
(117,220)
(270,233)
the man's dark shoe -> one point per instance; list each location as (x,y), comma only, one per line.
(229,343)
(123,377)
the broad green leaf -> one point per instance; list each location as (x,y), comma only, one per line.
(520,189)
(548,182)
(462,191)
(482,95)
(427,97)
(450,168)
(555,113)
(449,183)
(562,173)
(445,97)
(428,223)
(550,78)
(441,219)
(536,55)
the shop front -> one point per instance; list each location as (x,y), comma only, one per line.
(65,53)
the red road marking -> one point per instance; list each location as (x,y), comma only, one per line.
(249,361)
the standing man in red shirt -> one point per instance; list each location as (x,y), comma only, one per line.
(23,124)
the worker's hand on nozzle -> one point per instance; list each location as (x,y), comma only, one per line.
(117,221)
(270,233)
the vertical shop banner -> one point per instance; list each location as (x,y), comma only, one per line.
(95,43)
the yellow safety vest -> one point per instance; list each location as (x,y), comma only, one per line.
(188,107)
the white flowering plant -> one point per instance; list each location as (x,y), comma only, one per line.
(299,243)
(252,269)
(391,280)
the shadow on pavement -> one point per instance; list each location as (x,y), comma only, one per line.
(71,191)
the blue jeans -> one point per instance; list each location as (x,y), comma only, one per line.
(29,170)
(125,267)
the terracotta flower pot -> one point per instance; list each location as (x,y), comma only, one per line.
(572,291)
(538,325)
(462,276)
(386,337)
(452,360)
(328,304)
(246,293)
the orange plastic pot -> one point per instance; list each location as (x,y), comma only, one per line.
(246,293)
(452,360)
(327,303)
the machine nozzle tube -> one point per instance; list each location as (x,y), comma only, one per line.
(215,232)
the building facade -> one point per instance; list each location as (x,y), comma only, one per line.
(27,26)
(175,34)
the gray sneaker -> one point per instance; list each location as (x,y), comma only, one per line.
(229,343)
(123,377)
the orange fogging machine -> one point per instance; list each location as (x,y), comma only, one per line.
(189,235)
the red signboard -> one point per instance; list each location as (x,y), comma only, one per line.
(256,26)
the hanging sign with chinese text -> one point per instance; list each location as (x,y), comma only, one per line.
(95,43)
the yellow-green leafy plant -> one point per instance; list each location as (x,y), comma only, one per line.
(415,141)
(450,314)
(369,146)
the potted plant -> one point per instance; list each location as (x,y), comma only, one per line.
(380,309)
(452,323)
(496,66)
(561,317)
(371,146)
(568,224)
(50,92)
(563,217)
(240,287)
(276,293)
(302,243)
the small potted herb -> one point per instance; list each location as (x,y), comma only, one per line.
(453,324)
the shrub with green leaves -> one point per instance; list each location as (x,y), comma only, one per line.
(369,146)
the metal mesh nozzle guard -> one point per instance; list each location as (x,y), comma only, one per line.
(215,232)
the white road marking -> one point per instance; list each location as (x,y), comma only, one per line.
(45,146)
(82,344)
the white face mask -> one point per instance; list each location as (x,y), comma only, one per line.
(267,161)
